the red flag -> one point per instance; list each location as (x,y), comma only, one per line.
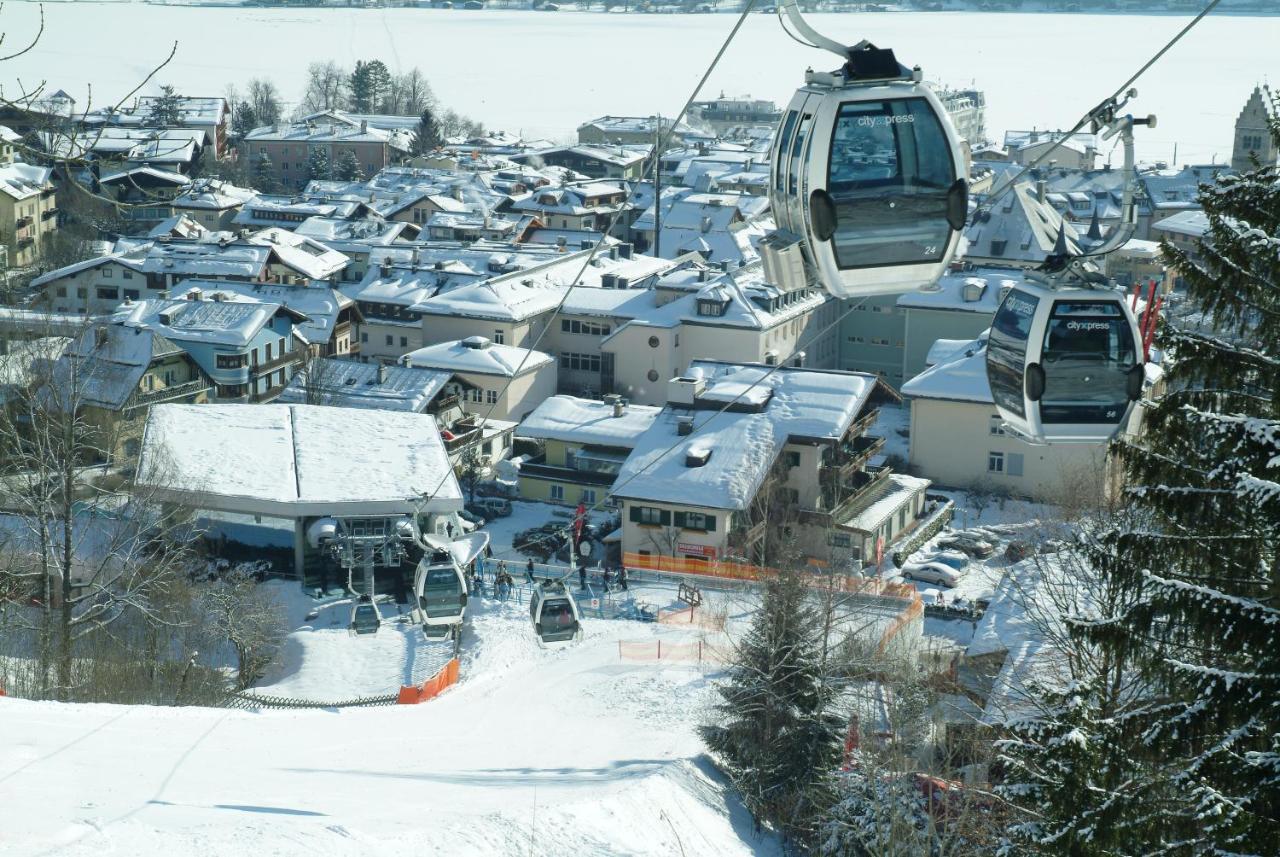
(579,518)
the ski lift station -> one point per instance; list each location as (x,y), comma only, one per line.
(308,464)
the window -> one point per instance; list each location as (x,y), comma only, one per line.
(267,352)
(589,496)
(557,493)
(996,425)
(648,516)
(82,293)
(404,342)
(579,362)
(107,273)
(840,540)
(229,361)
(995,462)
(1015,464)
(499,337)
(652,375)
(793,458)
(364,336)
(127,274)
(390,340)
(131,294)
(62,291)
(695,521)
(653,342)
(491,397)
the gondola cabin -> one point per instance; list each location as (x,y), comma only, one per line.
(871,174)
(1064,365)
(554,613)
(439,589)
(365,618)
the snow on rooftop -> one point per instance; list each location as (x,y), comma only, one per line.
(478,355)
(978,290)
(899,488)
(574,420)
(804,404)
(291,460)
(352,384)
(962,379)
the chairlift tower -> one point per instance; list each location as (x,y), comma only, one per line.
(364,543)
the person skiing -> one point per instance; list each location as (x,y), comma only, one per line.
(528,572)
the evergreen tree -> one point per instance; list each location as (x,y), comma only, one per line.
(165,109)
(776,734)
(318,163)
(347,168)
(243,119)
(1189,763)
(370,83)
(427,136)
(264,175)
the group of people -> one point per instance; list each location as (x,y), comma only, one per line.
(504,583)
(610,578)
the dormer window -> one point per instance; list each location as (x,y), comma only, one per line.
(707,307)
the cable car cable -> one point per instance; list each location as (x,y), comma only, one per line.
(659,148)
(1088,117)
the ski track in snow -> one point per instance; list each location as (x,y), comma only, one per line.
(606,749)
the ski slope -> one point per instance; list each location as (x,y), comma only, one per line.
(536,751)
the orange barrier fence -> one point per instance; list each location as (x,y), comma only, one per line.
(905,618)
(744,571)
(697,652)
(432,687)
(691,616)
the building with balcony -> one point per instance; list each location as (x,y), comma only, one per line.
(211,202)
(634,130)
(248,350)
(287,149)
(777,465)
(583,445)
(28,211)
(506,382)
(112,375)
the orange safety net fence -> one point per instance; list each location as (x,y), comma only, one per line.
(432,687)
(693,652)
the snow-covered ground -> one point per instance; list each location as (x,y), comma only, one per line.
(535,751)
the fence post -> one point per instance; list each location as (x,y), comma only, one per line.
(619,650)
(659,649)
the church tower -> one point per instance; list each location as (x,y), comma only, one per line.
(1253,135)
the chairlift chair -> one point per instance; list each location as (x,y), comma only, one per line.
(554,613)
(869,172)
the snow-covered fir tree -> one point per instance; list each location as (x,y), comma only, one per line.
(318,163)
(776,734)
(346,168)
(1188,762)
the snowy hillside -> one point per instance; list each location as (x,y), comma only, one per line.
(568,751)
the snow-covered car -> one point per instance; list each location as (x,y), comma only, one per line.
(473,514)
(931,572)
(971,545)
(955,559)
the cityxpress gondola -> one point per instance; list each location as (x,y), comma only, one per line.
(1065,357)
(867,173)
(440,585)
(554,613)
(1064,365)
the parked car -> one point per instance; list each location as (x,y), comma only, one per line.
(473,516)
(491,507)
(955,559)
(969,544)
(932,572)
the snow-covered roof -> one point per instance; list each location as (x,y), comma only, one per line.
(233,323)
(804,403)
(23,181)
(214,194)
(1191,223)
(178,226)
(896,491)
(1019,228)
(206,259)
(319,304)
(135,173)
(110,361)
(352,384)
(478,356)
(293,460)
(977,291)
(962,378)
(946,350)
(574,420)
(304,255)
(133,258)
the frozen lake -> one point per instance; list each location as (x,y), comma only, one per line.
(543,74)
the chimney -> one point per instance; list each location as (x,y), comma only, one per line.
(684,426)
(624,250)
(384,270)
(193,295)
(619,407)
(382,373)
(685,390)
(1042,190)
(364,126)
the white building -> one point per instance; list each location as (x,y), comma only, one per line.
(506,382)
